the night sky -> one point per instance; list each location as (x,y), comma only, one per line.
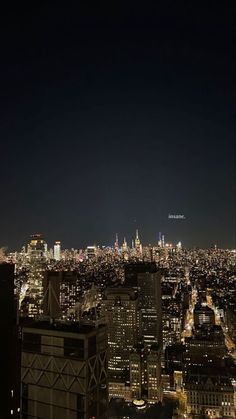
(111,119)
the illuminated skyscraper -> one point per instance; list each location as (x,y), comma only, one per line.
(120,307)
(146,279)
(145,373)
(37,247)
(116,245)
(124,245)
(57,250)
(137,243)
(91,252)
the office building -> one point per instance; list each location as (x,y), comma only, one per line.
(203,314)
(205,347)
(145,373)
(64,371)
(57,251)
(146,279)
(91,252)
(51,290)
(120,308)
(37,247)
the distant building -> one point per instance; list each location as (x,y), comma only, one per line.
(37,247)
(91,252)
(64,371)
(137,243)
(57,251)
(203,314)
(10,347)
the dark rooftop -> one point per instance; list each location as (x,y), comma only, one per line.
(71,327)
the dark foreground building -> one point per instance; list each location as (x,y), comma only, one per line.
(64,371)
(9,349)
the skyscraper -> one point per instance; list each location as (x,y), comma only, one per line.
(120,307)
(57,250)
(10,348)
(138,246)
(146,279)
(37,247)
(145,364)
(145,373)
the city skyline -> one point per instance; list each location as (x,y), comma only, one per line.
(129,241)
(118,210)
(112,122)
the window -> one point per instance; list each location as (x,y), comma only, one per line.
(74,348)
(31,342)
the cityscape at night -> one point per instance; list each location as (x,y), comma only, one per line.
(118,211)
(159,320)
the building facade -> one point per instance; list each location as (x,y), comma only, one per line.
(64,371)
(120,308)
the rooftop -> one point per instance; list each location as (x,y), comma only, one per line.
(72,327)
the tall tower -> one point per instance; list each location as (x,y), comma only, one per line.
(124,245)
(146,279)
(146,362)
(57,251)
(120,307)
(145,373)
(163,240)
(10,347)
(116,245)
(37,247)
(137,241)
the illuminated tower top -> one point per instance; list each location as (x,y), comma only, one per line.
(124,245)
(116,243)
(137,242)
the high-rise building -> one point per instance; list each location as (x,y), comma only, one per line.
(120,308)
(124,245)
(205,347)
(203,314)
(146,279)
(57,251)
(154,387)
(37,247)
(91,252)
(10,348)
(137,242)
(116,244)
(51,290)
(63,290)
(64,371)
(145,373)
